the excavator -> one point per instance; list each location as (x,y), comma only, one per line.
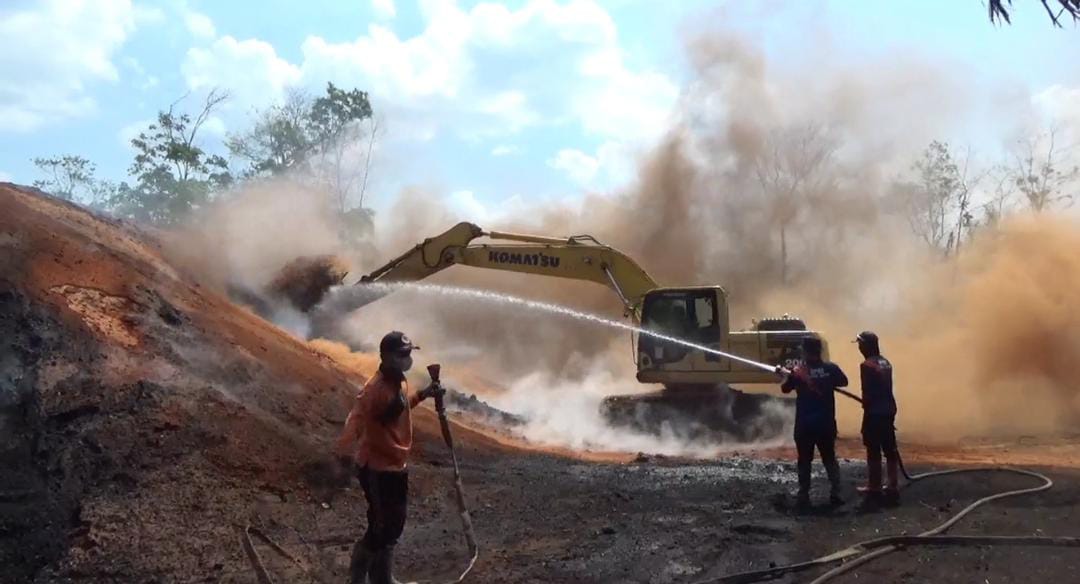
(697,399)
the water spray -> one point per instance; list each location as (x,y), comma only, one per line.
(349,298)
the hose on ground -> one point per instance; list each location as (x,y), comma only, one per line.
(868,551)
(459,490)
(926,538)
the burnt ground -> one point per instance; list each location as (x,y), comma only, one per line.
(548,519)
(146,421)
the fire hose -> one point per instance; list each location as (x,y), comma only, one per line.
(864,552)
(466,521)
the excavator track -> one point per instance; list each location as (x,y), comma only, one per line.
(702,413)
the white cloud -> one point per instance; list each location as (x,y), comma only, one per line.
(250,69)
(485,72)
(214,126)
(504,150)
(1061,105)
(621,103)
(512,109)
(384,9)
(199,25)
(579,166)
(147,81)
(465,206)
(5,177)
(611,165)
(130,131)
(430,65)
(53,51)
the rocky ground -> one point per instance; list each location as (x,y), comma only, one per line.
(147,424)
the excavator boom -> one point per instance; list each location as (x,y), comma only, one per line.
(577,258)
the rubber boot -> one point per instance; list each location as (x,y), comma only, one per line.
(802,500)
(382,569)
(833,470)
(360,564)
(873,471)
(892,492)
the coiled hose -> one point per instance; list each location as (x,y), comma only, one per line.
(867,551)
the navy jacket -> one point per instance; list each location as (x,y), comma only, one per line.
(815,401)
(877,387)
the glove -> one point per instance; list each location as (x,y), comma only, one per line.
(433,390)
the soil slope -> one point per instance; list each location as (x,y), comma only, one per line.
(143,416)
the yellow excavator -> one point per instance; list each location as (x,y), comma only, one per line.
(697,397)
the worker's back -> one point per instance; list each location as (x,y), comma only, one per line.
(815,402)
(877,386)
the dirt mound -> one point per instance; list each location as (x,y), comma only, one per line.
(144,418)
(304,281)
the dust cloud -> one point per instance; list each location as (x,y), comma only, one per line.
(247,235)
(971,337)
(773,182)
(993,349)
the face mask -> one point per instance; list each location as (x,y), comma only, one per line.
(402,363)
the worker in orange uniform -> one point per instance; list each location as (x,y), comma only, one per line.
(879,419)
(379,432)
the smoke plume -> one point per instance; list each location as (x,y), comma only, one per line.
(774,183)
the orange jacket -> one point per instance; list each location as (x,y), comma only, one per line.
(379,445)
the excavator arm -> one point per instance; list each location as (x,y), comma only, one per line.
(578,258)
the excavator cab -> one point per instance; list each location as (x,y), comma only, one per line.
(699,316)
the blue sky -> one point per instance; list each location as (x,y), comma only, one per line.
(480,102)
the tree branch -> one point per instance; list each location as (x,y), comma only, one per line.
(998,11)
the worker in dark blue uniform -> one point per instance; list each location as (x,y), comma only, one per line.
(879,418)
(815,381)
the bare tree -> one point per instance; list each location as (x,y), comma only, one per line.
(999,12)
(969,179)
(373,132)
(1041,171)
(344,164)
(1001,196)
(68,176)
(938,200)
(794,165)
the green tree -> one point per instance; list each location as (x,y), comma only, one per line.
(333,114)
(314,139)
(279,141)
(173,174)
